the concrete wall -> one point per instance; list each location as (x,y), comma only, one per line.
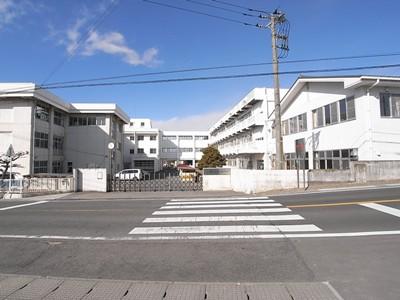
(330,176)
(360,171)
(252,181)
(90,180)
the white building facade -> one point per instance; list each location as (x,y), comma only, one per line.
(337,119)
(243,135)
(342,119)
(57,135)
(152,149)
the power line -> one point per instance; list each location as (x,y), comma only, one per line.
(243,7)
(220,77)
(224,67)
(224,9)
(96,22)
(200,13)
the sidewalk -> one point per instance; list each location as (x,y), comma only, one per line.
(46,288)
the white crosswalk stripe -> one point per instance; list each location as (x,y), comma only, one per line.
(223,205)
(221,218)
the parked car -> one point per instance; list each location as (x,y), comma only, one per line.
(131,174)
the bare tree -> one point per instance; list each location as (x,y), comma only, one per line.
(6,161)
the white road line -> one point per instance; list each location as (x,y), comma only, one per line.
(361,187)
(222,205)
(22,205)
(224,229)
(221,211)
(221,199)
(386,209)
(223,219)
(220,202)
(203,237)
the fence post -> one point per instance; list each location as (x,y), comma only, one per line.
(298,173)
(169,182)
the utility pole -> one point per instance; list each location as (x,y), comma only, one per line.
(279,33)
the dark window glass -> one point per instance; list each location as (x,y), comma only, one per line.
(322,164)
(345,153)
(329,163)
(132,151)
(336,153)
(385,105)
(140,137)
(343,114)
(327,114)
(132,137)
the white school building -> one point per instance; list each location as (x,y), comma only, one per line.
(59,136)
(339,119)
(152,149)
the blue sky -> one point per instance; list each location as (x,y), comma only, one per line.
(138,37)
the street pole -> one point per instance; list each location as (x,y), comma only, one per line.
(278,130)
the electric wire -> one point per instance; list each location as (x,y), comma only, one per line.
(200,13)
(225,67)
(222,8)
(239,6)
(233,76)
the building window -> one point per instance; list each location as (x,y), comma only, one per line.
(140,137)
(334,159)
(169,150)
(69,167)
(390,105)
(40,166)
(132,137)
(58,118)
(342,109)
(199,149)
(329,114)
(132,151)
(351,109)
(100,121)
(327,109)
(153,150)
(201,137)
(131,124)
(169,137)
(334,113)
(185,137)
(57,167)
(140,150)
(41,140)
(92,121)
(186,149)
(153,138)
(142,124)
(42,113)
(292,160)
(58,142)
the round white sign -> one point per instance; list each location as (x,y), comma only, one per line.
(111,145)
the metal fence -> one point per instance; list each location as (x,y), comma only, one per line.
(37,185)
(158,182)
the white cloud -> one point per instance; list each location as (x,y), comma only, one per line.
(193,122)
(11,10)
(79,41)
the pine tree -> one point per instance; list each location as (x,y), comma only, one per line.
(211,158)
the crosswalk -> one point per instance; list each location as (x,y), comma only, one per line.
(222,218)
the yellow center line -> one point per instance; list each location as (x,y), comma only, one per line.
(342,203)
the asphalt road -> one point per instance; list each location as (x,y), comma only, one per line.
(331,236)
